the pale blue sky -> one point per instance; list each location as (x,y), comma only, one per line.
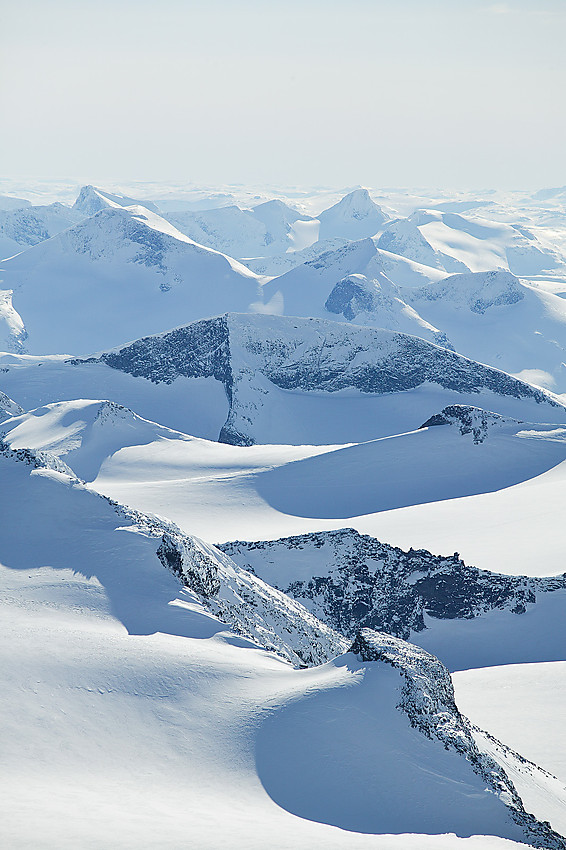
(453,93)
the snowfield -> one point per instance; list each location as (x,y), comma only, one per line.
(283,476)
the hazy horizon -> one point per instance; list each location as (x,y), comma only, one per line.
(441,94)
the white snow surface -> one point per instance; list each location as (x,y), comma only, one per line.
(121,274)
(134,718)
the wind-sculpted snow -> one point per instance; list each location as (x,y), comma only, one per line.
(353,581)
(253,355)
(244,602)
(427,698)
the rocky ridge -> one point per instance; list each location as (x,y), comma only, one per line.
(352,581)
(427,698)
(246,352)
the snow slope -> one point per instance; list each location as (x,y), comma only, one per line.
(135,718)
(224,492)
(303,290)
(521,704)
(246,378)
(492,317)
(265,230)
(495,318)
(118,275)
(458,243)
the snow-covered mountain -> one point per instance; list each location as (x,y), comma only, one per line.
(303,290)
(92,200)
(265,230)
(248,379)
(356,216)
(298,380)
(492,317)
(22,227)
(456,243)
(465,616)
(118,275)
(220,491)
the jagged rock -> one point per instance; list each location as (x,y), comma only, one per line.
(353,581)
(469,420)
(427,698)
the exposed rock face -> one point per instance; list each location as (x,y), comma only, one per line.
(36,459)
(468,420)
(251,607)
(427,698)
(357,582)
(248,353)
(8,407)
(352,295)
(199,350)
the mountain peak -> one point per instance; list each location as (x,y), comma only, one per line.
(91,200)
(355,216)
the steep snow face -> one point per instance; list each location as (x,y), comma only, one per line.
(465,616)
(457,243)
(120,274)
(273,365)
(404,706)
(21,228)
(356,216)
(92,200)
